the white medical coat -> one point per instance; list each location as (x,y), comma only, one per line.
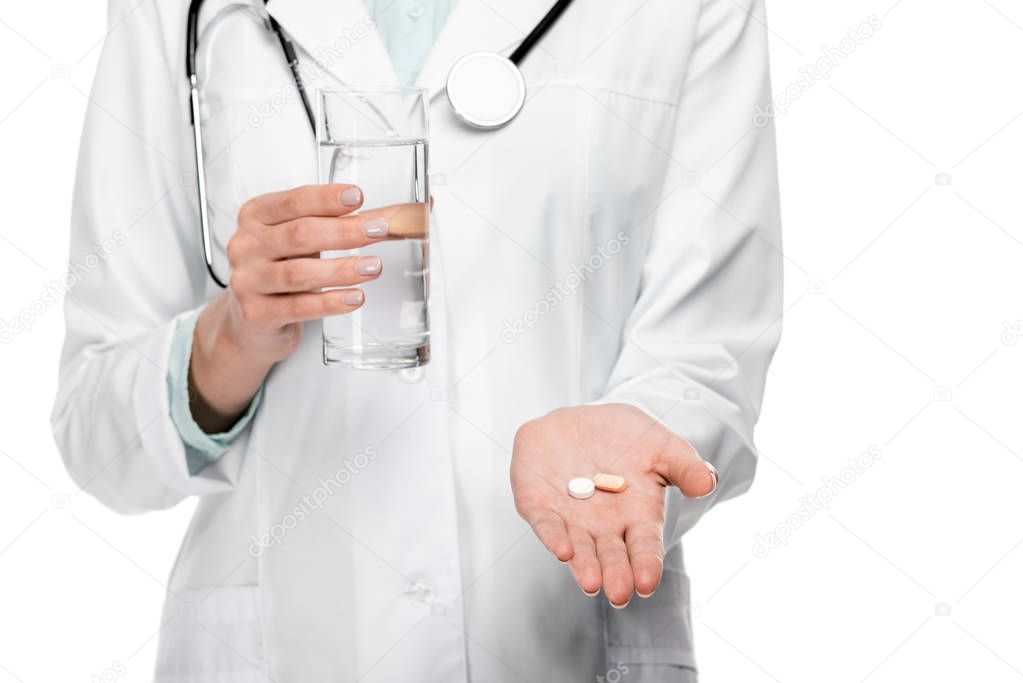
(619,241)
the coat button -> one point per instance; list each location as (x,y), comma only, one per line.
(415,11)
(421,592)
(412,375)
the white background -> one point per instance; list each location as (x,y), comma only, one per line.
(904,305)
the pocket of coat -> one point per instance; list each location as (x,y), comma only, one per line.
(212,635)
(655,630)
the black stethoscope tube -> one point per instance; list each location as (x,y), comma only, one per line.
(292,58)
(539,31)
(192,36)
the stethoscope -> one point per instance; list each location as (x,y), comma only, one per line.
(485,90)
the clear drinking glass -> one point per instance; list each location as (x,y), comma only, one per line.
(376,138)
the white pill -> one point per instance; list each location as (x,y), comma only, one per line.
(581,488)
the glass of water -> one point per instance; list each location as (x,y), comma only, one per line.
(376,138)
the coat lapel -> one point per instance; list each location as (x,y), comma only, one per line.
(340,36)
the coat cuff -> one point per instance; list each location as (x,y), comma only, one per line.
(201,449)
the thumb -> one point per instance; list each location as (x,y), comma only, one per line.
(683,467)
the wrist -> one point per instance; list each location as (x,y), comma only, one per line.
(223,375)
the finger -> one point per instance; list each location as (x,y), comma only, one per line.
(313,234)
(551,531)
(683,467)
(584,565)
(646,555)
(616,570)
(309,200)
(307,274)
(295,308)
(404,220)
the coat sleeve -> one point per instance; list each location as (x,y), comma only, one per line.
(701,334)
(134,269)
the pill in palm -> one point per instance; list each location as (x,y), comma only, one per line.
(581,488)
(610,482)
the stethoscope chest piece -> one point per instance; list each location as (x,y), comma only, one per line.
(485,90)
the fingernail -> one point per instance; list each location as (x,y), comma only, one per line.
(644,595)
(368,266)
(619,606)
(351,197)
(714,474)
(354,298)
(588,594)
(375,226)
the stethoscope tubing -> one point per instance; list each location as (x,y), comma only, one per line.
(538,32)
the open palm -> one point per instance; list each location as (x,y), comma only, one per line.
(612,540)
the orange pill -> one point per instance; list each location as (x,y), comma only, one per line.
(610,482)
